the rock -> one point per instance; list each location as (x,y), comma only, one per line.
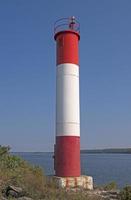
(13,191)
(104,194)
(24,198)
(3,198)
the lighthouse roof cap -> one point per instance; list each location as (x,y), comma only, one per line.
(67,24)
(67,31)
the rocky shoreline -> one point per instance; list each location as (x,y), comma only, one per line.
(17,193)
(105,195)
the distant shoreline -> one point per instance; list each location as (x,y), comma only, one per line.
(94,151)
(109,151)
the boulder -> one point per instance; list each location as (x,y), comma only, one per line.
(13,191)
(24,198)
(3,198)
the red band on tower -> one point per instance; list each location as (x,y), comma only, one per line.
(67,47)
(67,156)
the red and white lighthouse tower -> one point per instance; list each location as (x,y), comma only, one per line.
(67,147)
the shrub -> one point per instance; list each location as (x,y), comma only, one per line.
(110,186)
(17,172)
(125,194)
(4,150)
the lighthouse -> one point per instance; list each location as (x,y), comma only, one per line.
(67,147)
(67,142)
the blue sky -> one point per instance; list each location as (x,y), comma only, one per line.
(27,72)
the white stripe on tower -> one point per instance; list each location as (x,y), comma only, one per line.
(67,104)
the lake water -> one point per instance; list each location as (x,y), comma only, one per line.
(103,167)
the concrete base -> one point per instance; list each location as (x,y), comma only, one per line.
(84,182)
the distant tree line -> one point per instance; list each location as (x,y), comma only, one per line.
(113,150)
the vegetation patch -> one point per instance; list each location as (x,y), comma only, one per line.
(125,194)
(110,186)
